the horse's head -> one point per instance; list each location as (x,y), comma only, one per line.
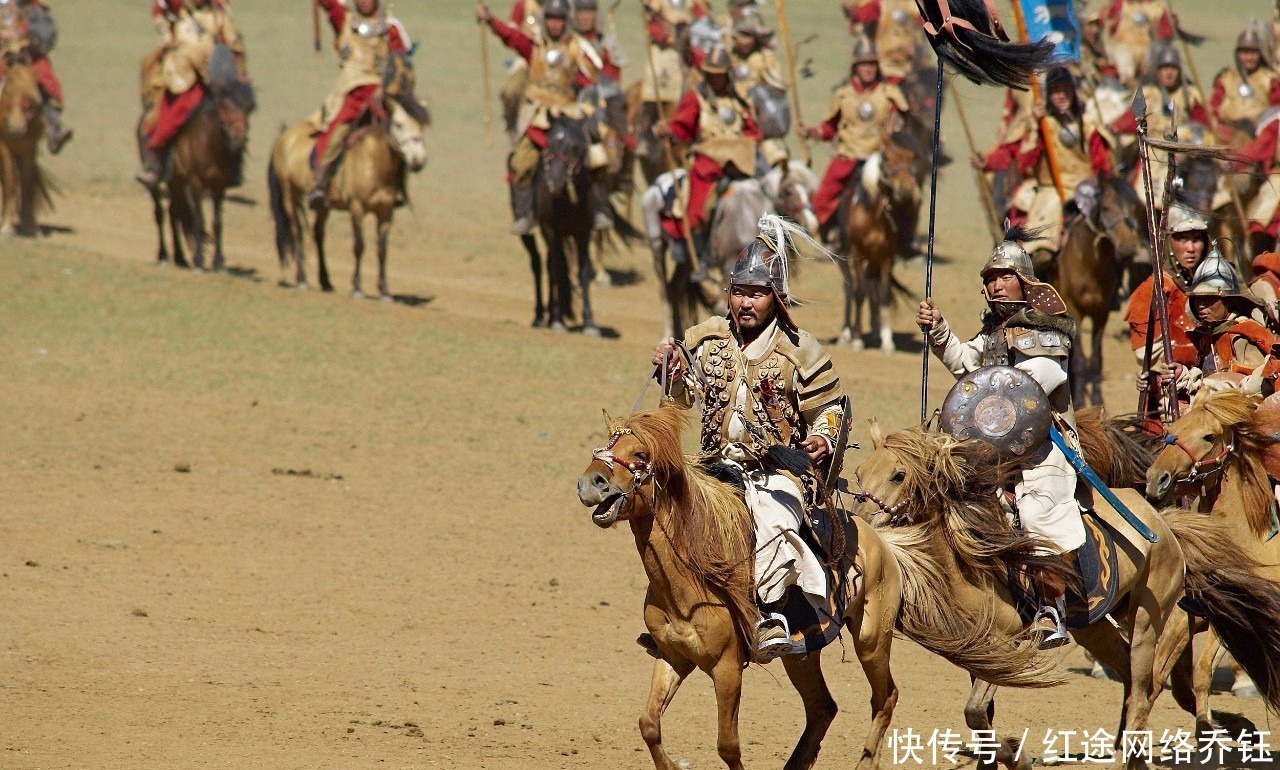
(1120,215)
(898,173)
(642,449)
(398,78)
(406,135)
(565,155)
(19,95)
(1200,443)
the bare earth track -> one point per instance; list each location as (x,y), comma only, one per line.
(243,526)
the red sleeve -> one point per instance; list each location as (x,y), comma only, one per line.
(607,67)
(1164,28)
(750,130)
(684,123)
(337,14)
(1113,14)
(1028,159)
(1199,114)
(1127,124)
(1001,158)
(1260,152)
(395,40)
(511,37)
(1219,93)
(660,32)
(1273,97)
(516,17)
(830,128)
(867,13)
(1099,153)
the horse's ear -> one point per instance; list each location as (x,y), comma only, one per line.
(608,421)
(877,435)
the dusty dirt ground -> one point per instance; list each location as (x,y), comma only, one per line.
(245,527)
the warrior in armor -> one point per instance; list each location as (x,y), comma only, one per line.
(895,28)
(860,115)
(1169,96)
(1081,148)
(561,63)
(190,30)
(27,28)
(718,125)
(1261,156)
(754,65)
(1188,244)
(1233,350)
(766,383)
(1013,187)
(1026,327)
(586,22)
(1266,286)
(1132,26)
(365,36)
(1243,92)
(1096,63)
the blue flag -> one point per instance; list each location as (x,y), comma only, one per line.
(1055,20)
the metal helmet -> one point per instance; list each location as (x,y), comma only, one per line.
(1250,39)
(556,9)
(1165,55)
(749,24)
(585,5)
(1009,255)
(716,62)
(1215,277)
(1185,220)
(864,51)
(759,265)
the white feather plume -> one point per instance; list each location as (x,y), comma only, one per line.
(790,241)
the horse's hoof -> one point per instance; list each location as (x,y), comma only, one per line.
(558,326)
(856,344)
(1248,691)
(357,294)
(302,286)
(1100,672)
(197,269)
(888,350)
(591,331)
(538,323)
(603,279)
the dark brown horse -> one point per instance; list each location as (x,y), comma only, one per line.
(21,128)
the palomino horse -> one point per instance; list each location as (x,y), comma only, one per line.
(370,180)
(695,538)
(1218,452)
(938,498)
(21,128)
(884,202)
(1095,248)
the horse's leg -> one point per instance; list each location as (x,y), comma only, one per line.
(384,234)
(884,303)
(847,274)
(727,678)
(805,674)
(219,260)
(873,640)
(979,714)
(1202,680)
(1242,685)
(357,252)
(299,225)
(8,186)
(586,274)
(198,234)
(666,679)
(530,244)
(559,288)
(178,225)
(317,234)
(157,210)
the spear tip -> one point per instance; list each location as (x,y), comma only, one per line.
(1139,107)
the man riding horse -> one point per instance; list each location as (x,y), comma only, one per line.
(586,22)
(1241,93)
(1233,350)
(765,383)
(191,31)
(718,124)
(1133,25)
(860,116)
(365,36)
(1026,327)
(754,64)
(27,29)
(561,63)
(1188,244)
(895,28)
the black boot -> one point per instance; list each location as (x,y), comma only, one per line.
(318,197)
(522,208)
(600,203)
(702,255)
(152,167)
(56,135)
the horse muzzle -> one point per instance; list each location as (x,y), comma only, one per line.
(1159,485)
(596,491)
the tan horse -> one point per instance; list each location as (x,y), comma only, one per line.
(369,181)
(885,201)
(21,128)
(1089,266)
(1216,452)
(695,539)
(940,497)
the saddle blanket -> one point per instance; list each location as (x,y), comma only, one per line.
(1098,571)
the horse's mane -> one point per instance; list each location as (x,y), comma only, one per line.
(708,525)
(1238,412)
(961,481)
(1118,448)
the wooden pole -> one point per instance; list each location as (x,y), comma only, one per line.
(984,188)
(785,32)
(933,216)
(315,28)
(488,93)
(1050,154)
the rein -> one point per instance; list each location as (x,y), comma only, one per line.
(1202,469)
(863,496)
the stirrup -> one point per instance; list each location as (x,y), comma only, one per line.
(1051,640)
(772,641)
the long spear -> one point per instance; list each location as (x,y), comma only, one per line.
(315,27)
(484,70)
(785,32)
(933,214)
(984,187)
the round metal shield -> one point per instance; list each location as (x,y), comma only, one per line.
(1068,135)
(1000,405)
(899,16)
(1245,90)
(1140,18)
(554,57)
(866,111)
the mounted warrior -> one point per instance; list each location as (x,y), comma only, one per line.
(27,29)
(1133,25)
(1026,327)
(765,385)
(1242,92)
(1188,244)
(894,27)
(759,80)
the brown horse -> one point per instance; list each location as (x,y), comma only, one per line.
(21,128)
(878,215)
(1089,266)
(370,180)
(695,539)
(1217,452)
(941,497)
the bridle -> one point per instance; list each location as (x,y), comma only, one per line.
(641,470)
(1201,468)
(896,518)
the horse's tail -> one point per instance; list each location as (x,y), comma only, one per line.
(628,232)
(1222,584)
(284,229)
(931,617)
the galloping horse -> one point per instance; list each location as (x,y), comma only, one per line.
(1095,248)
(695,539)
(370,180)
(1219,451)
(874,214)
(940,496)
(21,127)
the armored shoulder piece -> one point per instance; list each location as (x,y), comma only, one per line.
(712,328)
(1039,342)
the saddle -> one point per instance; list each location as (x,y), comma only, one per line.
(1096,565)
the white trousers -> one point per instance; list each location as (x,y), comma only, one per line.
(783,559)
(1046,499)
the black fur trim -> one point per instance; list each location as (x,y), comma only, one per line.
(789,459)
(1030,318)
(725,472)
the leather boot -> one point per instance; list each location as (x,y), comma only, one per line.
(318,197)
(522,208)
(152,167)
(701,255)
(600,204)
(56,134)
(1049,628)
